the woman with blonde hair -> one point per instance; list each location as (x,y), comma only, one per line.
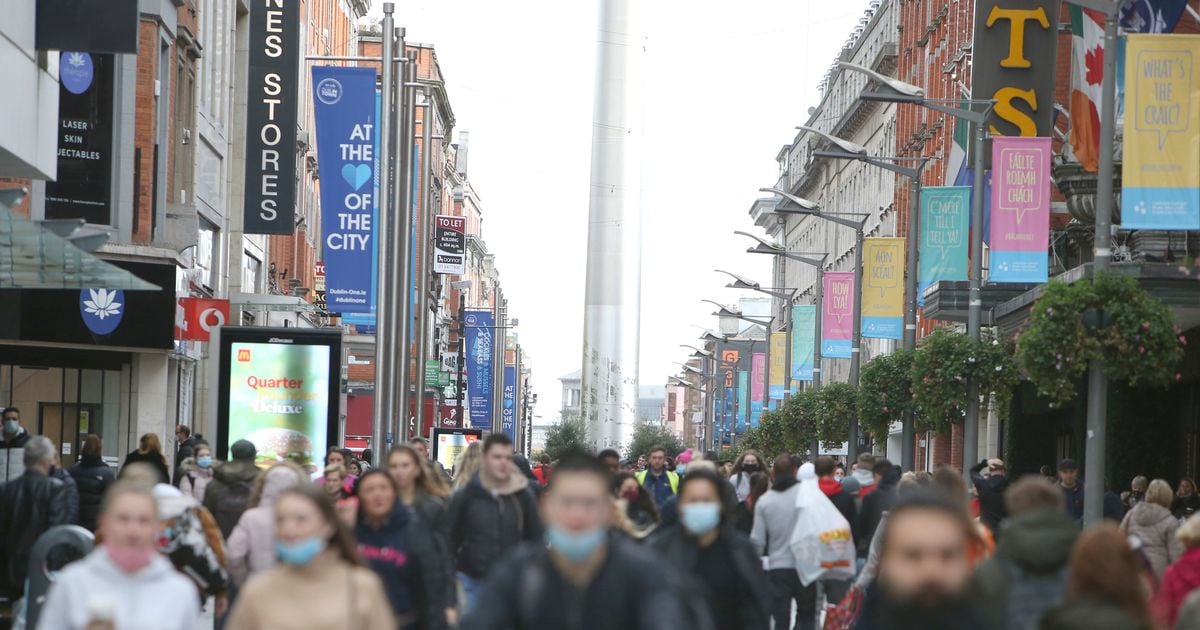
(149,451)
(1153,524)
(468,464)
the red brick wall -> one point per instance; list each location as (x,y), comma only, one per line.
(145,127)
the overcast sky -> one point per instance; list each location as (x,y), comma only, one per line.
(725,89)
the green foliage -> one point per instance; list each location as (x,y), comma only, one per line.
(835,407)
(941,367)
(885,392)
(648,435)
(1111,318)
(789,429)
(568,436)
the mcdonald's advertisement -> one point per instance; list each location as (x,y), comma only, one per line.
(1161,164)
(280,392)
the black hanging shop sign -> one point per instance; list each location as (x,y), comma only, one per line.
(271,117)
(83,189)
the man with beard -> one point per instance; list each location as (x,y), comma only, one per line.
(923,569)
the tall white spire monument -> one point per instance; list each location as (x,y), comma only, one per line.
(612,316)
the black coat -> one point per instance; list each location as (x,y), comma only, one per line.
(482,527)
(746,575)
(991,496)
(29,505)
(873,506)
(431,512)
(631,591)
(425,579)
(92,477)
(228,494)
(72,492)
(183,451)
(154,459)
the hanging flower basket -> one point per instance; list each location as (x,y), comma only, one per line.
(943,365)
(885,392)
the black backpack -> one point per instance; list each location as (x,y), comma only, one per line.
(230,504)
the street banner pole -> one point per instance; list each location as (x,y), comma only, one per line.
(385,390)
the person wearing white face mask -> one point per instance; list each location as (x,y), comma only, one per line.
(13,438)
(318,583)
(723,567)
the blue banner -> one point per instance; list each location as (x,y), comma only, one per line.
(945,212)
(508,415)
(743,400)
(804,341)
(481,346)
(344,107)
(730,393)
(365,322)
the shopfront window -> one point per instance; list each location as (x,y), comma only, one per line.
(65,404)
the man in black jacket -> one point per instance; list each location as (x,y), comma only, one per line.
(29,505)
(185,445)
(990,490)
(887,477)
(493,513)
(587,579)
(228,494)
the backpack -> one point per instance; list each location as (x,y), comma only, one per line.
(186,546)
(229,506)
(1031,595)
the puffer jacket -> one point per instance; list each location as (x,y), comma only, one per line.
(1155,526)
(229,479)
(1039,544)
(1180,580)
(483,526)
(251,548)
(29,505)
(92,477)
(193,479)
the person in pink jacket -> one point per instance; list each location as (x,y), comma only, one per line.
(251,547)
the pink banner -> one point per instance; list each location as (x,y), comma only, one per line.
(837,314)
(1020,221)
(758,375)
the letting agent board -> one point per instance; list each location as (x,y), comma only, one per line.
(450,245)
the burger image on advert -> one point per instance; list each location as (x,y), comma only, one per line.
(277,444)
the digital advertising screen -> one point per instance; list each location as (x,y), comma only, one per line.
(448,444)
(279,389)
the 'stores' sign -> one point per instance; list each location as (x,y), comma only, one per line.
(271,117)
(450,245)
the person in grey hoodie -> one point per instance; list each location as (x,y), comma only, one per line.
(251,548)
(774,519)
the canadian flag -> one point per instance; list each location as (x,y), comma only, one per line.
(1087,70)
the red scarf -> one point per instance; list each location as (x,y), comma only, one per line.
(829,486)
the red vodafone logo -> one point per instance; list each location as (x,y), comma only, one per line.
(197,318)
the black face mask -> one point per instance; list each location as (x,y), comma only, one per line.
(750,468)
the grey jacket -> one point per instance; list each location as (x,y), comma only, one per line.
(774,519)
(1155,526)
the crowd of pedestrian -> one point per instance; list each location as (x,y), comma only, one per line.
(590,542)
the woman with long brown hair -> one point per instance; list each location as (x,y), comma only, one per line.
(319,583)
(424,492)
(149,450)
(746,465)
(1104,585)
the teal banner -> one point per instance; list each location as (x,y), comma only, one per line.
(945,211)
(804,341)
(743,401)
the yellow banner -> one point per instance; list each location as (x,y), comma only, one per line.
(883,288)
(1161,185)
(779,348)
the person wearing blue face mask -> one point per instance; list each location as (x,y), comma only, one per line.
(318,583)
(722,568)
(585,579)
(196,472)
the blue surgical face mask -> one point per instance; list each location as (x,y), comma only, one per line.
(575,547)
(204,461)
(299,553)
(681,468)
(11,426)
(700,518)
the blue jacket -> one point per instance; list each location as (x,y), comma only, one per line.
(401,552)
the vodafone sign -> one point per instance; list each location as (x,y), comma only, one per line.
(196,318)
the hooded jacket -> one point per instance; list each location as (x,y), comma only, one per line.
(873,507)
(1155,526)
(842,501)
(990,490)
(866,482)
(157,596)
(193,479)
(1038,543)
(1180,580)
(484,525)
(402,553)
(746,576)
(775,516)
(230,480)
(251,548)
(92,477)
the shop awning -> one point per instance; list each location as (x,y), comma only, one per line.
(34,257)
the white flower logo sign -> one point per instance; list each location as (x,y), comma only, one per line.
(102,309)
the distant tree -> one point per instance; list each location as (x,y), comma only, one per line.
(649,434)
(567,436)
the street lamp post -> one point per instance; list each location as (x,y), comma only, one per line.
(707,378)
(725,311)
(857,223)
(740,282)
(896,91)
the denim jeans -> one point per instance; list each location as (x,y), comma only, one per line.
(471,587)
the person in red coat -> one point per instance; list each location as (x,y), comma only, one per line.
(1181,578)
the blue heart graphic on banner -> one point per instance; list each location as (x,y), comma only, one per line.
(356,176)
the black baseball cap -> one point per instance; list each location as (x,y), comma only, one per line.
(1067,464)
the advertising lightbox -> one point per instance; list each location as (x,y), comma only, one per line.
(279,389)
(449,444)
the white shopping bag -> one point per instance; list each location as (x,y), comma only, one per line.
(821,542)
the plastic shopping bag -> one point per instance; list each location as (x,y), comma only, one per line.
(821,542)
